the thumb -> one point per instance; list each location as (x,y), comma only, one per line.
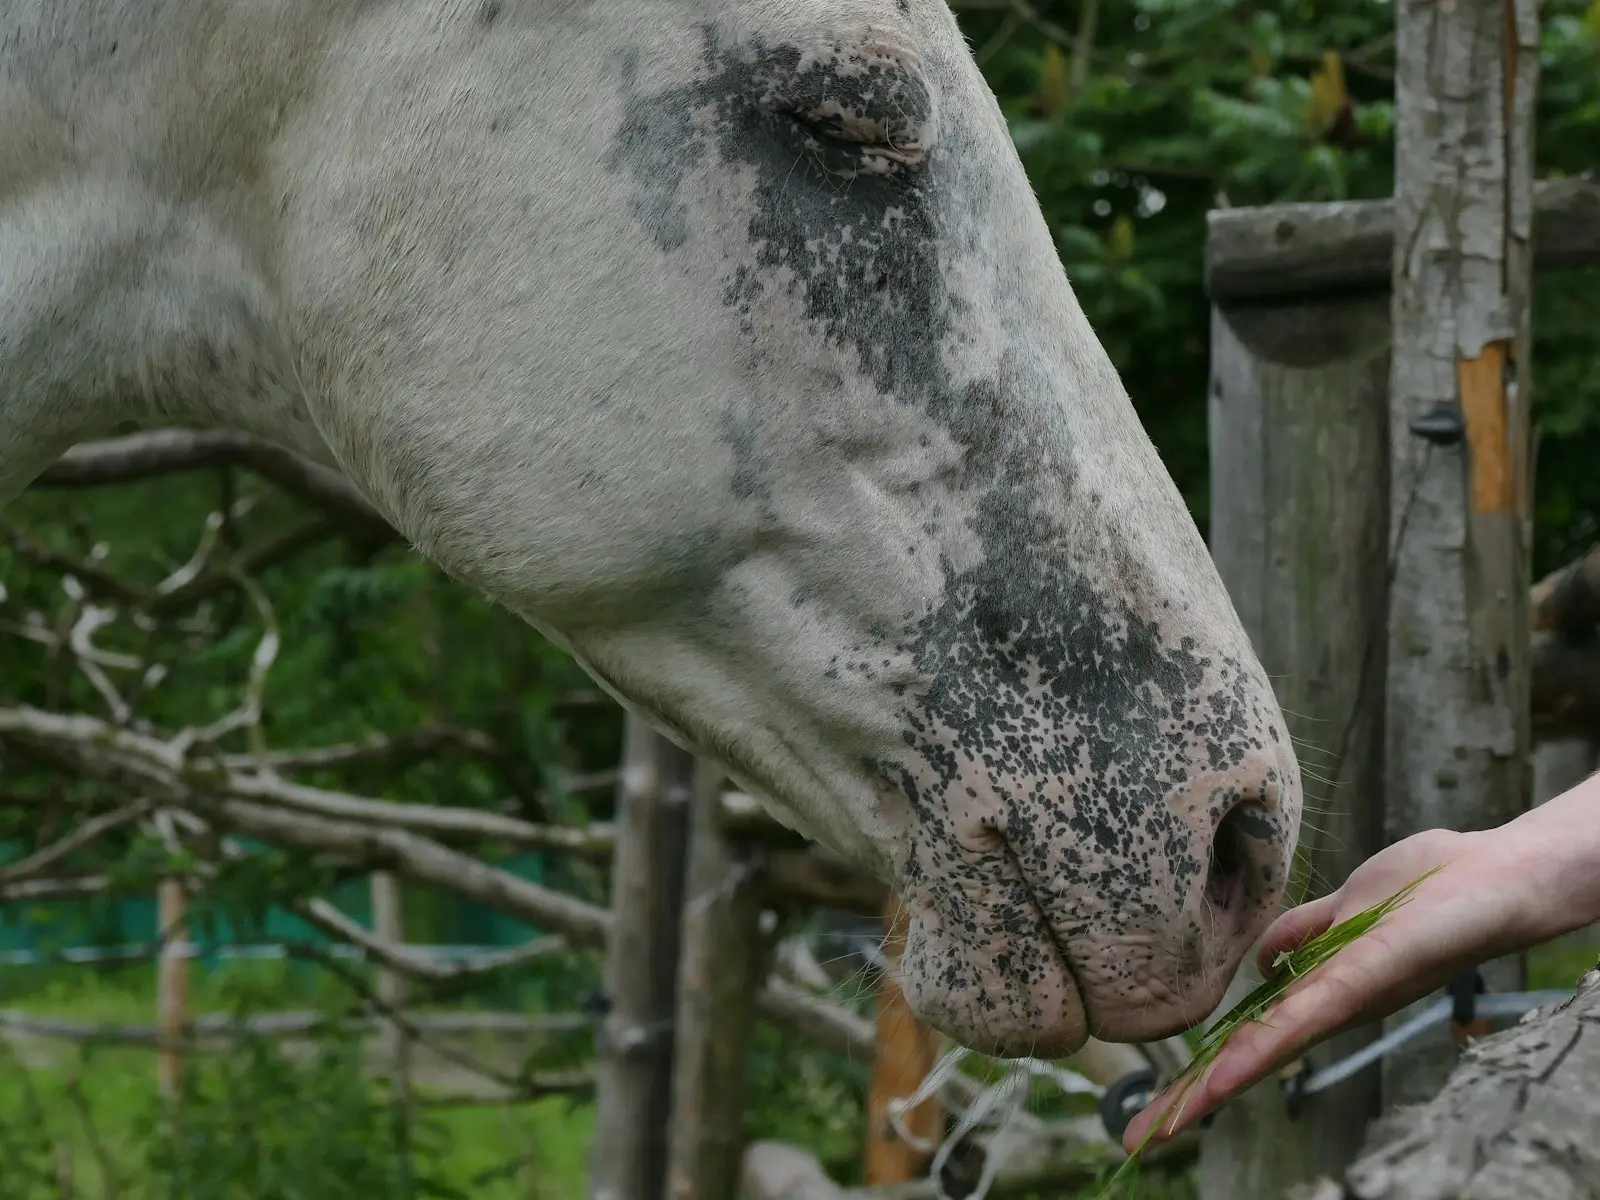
(1294,927)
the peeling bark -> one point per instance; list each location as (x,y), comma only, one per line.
(1519,1119)
(1458,732)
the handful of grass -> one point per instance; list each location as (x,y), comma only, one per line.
(1289,966)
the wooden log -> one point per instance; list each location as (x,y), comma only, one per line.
(724,960)
(1567,601)
(634,1081)
(1565,700)
(1518,1118)
(1299,519)
(906,1051)
(1049,1157)
(1566,651)
(1457,705)
(1312,251)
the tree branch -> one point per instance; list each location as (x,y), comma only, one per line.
(42,860)
(378,747)
(419,858)
(69,887)
(589,841)
(215,1027)
(156,452)
(207,786)
(408,961)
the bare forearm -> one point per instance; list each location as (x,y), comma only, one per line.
(1558,847)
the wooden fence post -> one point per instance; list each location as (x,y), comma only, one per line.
(388,922)
(906,1052)
(1458,672)
(1299,517)
(628,1158)
(724,964)
(172,982)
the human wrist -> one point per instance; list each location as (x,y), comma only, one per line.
(1553,853)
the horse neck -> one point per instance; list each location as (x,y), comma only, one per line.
(129,288)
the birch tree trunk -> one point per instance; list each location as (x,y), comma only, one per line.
(628,1158)
(724,962)
(1457,712)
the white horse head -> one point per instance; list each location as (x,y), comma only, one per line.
(725,341)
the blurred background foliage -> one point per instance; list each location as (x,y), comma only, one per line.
(1133,118)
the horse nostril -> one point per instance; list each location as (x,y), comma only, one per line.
(1242,837)
(982,837)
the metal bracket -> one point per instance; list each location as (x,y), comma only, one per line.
(1481,1006)
(1442,425)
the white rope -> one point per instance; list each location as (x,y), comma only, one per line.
(1005,1099)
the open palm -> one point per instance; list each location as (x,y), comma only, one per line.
(1477,907)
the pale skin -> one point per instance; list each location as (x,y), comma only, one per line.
(1499,891)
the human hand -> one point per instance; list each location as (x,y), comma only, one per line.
(1482,904)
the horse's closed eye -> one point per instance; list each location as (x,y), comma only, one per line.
(896,144)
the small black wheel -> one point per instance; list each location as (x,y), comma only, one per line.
(1122,1101)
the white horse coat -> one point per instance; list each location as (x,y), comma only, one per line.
(725,342)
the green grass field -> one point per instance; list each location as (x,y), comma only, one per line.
(96,1105)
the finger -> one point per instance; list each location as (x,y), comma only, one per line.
(1167,1115)
(1294,927)
(1311,1009)
(1247,1057)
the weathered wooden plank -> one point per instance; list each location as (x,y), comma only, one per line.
(1458,693)
(1299,515)
(628,1160)
(724,960)
(1300,251)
